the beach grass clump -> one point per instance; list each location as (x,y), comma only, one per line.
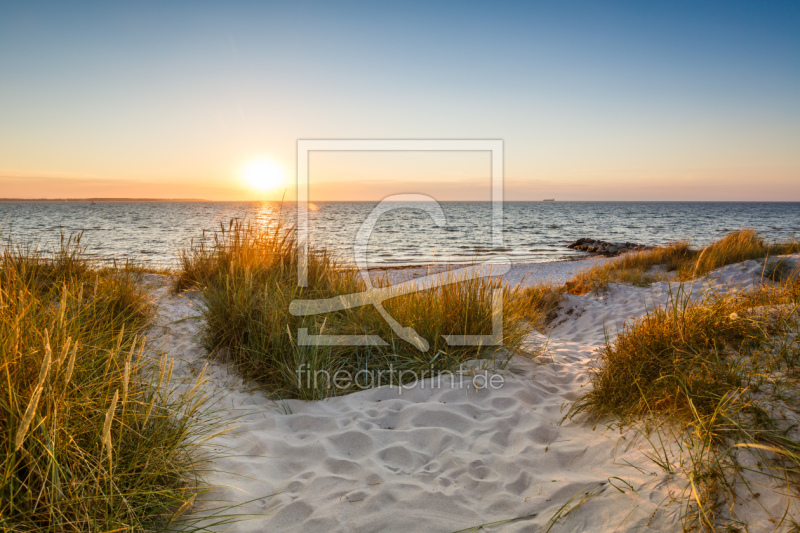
(248,279)
(90,441)
(736,247)
(689,350)
(678,261)
(633,267)
(717,376)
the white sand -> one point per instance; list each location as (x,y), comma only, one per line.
(445,459)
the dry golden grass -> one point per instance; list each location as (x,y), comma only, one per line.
(537,302)
(691,346)
(248,278)
(714,377)
(678,261)
(90,441)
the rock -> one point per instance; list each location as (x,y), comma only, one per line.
(586,244)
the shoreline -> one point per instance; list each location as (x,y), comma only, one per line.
(523,274)
(429,265)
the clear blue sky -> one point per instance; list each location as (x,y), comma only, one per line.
(594,100)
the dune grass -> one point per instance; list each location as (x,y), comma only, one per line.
(91,441)
(718,375)
(778,270)
(700,346)
(248,278)
(679,261)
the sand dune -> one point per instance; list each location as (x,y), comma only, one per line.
(448,457)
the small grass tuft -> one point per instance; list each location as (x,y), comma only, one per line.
(537,302)
(780,270)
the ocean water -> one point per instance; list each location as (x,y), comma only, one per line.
(152,232)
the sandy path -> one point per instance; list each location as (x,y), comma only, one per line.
(442,458)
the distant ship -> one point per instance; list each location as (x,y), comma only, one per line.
(549,200)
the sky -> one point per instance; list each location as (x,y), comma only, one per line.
(661,100)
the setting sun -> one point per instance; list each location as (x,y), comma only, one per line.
(264,174)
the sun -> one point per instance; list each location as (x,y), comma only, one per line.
(264,174)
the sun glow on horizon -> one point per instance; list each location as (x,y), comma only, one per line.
(264,174)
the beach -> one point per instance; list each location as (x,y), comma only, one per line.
(455,454)
(400,267)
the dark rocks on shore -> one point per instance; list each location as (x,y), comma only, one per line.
(606,248)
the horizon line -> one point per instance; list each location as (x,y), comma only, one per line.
(144,199)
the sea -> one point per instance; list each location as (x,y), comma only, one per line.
(152,232)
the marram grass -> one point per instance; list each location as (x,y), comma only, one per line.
(694,344)
(712,383)
(679,261)
(91,440)
(248,278)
